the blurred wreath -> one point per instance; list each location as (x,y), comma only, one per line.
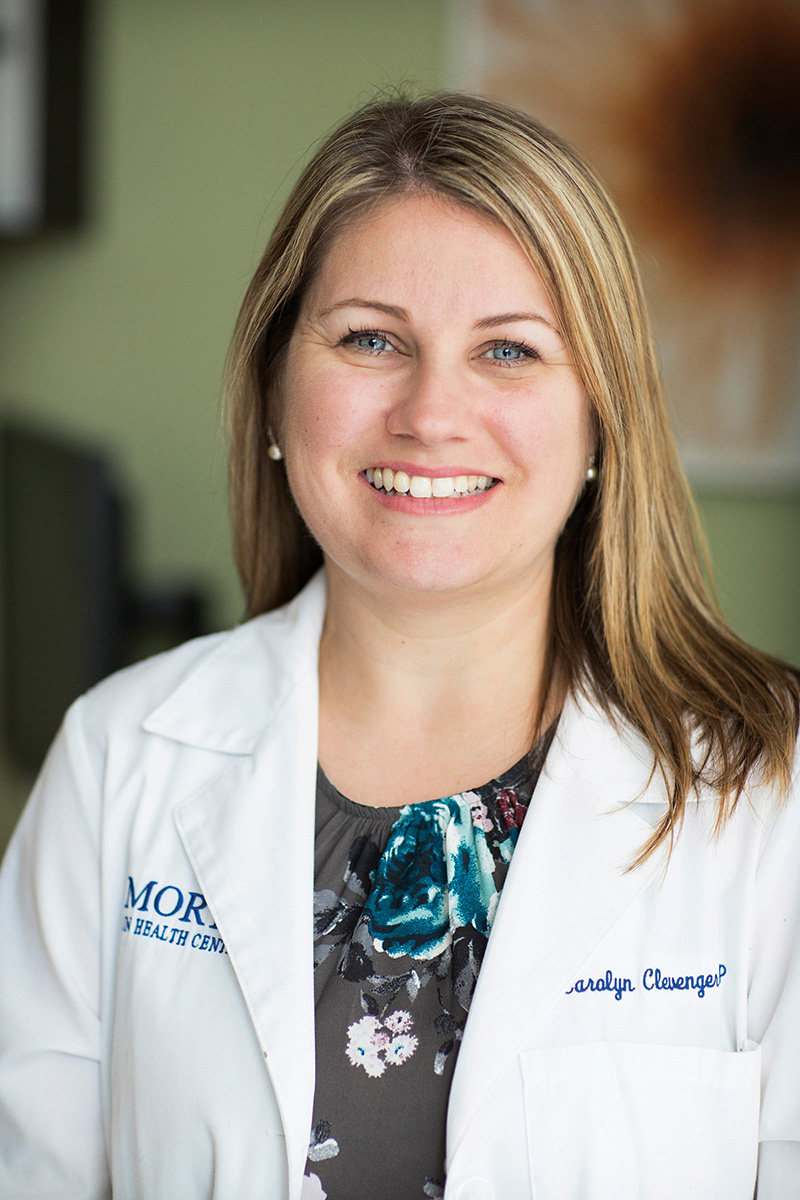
(690,110)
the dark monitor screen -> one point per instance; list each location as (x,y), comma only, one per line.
(62,593)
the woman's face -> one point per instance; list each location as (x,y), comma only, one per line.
(427,349)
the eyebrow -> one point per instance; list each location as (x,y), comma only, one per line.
(394,310)
(391,310)
(507,318)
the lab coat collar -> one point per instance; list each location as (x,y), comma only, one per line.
(228,701)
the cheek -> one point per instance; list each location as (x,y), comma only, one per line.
(550,436)
(325,413)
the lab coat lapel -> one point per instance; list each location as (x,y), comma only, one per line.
(566,887)
(249,834)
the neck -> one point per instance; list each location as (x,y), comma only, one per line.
(437,694)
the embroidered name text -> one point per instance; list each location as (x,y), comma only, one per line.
(604,983)
(653,980)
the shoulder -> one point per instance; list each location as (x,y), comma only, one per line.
(139,688)
(225,682)
(775,810)
(610,757)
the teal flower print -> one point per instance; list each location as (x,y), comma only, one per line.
(421,895)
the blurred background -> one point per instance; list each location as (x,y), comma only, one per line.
(175,130)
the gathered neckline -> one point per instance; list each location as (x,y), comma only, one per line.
(510,780)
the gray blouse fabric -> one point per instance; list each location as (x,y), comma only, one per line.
(404,902)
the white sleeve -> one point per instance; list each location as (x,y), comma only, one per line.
(51,1140)
(774,1003)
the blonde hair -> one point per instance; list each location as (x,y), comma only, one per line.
(631,620)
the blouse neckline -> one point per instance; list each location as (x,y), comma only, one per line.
(524,769)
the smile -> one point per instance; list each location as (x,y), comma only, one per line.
(422,487)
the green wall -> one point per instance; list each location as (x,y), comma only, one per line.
(201,112)
(755,554)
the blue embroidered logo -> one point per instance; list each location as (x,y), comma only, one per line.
(170,901)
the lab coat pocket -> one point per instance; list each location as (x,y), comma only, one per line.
(625,1121)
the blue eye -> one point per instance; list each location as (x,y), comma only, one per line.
(508,352)
(372,341)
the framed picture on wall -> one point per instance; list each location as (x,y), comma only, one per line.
(690,112)
(41,144)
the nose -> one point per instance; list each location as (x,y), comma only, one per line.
(431,408)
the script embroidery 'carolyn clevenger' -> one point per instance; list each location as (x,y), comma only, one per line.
(653,980)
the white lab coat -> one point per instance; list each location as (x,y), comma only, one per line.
(179,800)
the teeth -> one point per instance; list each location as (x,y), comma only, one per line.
(423,486)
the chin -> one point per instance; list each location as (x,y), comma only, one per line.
(421,575)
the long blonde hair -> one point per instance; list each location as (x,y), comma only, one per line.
(631,622)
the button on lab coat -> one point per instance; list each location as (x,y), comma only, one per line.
(633,1034)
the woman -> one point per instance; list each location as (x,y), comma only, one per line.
(442,388)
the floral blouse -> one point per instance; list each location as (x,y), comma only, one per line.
(404,903)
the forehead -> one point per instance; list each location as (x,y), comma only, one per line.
(423,251)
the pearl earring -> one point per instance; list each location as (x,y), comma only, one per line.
(591,470)
(273,450)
